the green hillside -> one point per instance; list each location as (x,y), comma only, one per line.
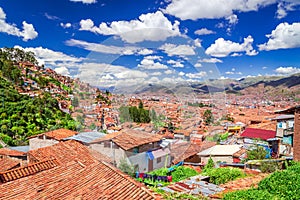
(22,116)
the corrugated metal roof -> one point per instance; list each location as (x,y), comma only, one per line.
(86,137)
(24,149)
(221,150)
(195,186)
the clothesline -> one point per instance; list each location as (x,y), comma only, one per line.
(154,177)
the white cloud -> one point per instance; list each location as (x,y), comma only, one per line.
(62,70)
(48,56)
(223,48)
(145,52)
(229,72)
(197,42)
(204,31)
(156,74)
(51,17)
(107,75)
(287,70)
(179,50)
(150,26)
(148,63)
(109,49)
(28,32)
(198,64)
(198,75)
(181,74)
(66,25)
(285,36)
(168,71)
(232,19)
(175,63)
(210,60)
(284,7)
(212,9)
(85,1)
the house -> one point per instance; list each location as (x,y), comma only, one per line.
(219,153)
(295,110)
(137,148)
(49,138)
(187,152)
(252,136)
(67,170)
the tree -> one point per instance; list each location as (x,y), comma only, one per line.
(257,153)
(208,117)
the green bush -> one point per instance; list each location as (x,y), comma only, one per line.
(223,175)
(279,185)
(251,194)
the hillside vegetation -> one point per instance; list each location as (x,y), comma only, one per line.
(22,116)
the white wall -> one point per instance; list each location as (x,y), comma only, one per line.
(35,143)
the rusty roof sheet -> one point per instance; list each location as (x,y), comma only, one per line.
(129,138)
(73,178)
(11,152)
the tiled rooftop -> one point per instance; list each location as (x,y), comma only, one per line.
(130,138)
(58,134)
(8,163)
(76,176)
(10,152)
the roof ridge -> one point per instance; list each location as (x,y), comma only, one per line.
(28,170)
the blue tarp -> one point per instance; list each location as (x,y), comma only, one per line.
(150,155)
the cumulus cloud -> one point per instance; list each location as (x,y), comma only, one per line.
(204,31)
(62,70)
(210,60)
(85,1)
(149,63)
(175,63)
(284,7)
(213,9)
(107,75)
(197,42)
(66,25)
(108,49)
(168,71)
(285,36)
(179,50)
(28,32)
(48,56)
(287,70)
(150,26)
(198,75)
(223,48)
(232,19)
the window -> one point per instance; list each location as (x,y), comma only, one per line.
(135,150)
(158,160)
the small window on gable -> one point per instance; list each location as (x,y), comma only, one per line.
(135,150)
(158,160)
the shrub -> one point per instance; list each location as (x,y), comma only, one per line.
(251,194)
(223,175)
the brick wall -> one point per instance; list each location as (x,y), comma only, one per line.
(297,136)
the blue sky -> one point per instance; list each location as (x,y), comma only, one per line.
(132,42)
